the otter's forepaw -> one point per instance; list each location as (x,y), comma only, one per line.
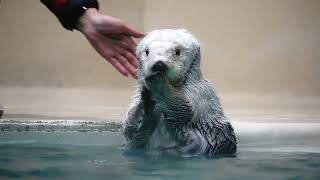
(146,94)
(157,83)
(147,100)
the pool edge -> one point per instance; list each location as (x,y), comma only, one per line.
(59,125)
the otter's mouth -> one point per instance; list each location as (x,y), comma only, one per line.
(155,76)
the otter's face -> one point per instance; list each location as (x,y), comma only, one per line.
(166,52)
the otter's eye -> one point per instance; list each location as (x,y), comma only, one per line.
(147,52)
(177,52)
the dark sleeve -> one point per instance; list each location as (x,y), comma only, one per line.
(69,11)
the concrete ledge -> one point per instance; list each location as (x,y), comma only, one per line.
(59,125)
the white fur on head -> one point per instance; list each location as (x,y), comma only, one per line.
(161,46)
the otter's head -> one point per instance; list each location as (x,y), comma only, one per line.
(169,52)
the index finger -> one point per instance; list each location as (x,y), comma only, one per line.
(132,32)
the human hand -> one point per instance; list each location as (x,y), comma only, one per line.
(112,39)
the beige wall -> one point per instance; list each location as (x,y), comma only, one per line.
(36,51)
(248,46)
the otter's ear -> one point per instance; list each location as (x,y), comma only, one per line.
(197,57)
(195,43)
(196,47)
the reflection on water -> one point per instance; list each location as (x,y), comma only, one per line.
(272,150)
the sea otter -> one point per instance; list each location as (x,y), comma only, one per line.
(175,110)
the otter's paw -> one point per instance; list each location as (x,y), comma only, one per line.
(157,83)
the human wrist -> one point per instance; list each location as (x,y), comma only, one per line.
(87,19)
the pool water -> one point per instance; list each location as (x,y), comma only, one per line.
(265,151)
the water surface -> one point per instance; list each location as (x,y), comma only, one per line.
(266,151)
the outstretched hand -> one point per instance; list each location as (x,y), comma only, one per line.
(112,39)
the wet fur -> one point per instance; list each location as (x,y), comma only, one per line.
(179,117)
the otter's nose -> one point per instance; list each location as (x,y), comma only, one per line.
(159,67)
